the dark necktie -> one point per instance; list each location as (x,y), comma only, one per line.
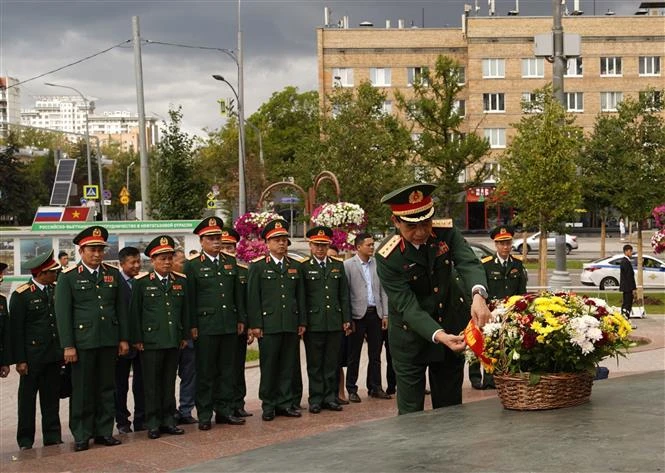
(279,266)
(322,264)
(47,291)
(504,265)
(165,283)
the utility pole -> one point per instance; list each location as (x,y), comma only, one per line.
(242,193)
(143,150)
(560,276)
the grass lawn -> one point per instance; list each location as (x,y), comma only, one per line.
(252,355)
(532,265)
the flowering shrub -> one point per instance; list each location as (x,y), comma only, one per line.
(658,242)
(250,226)
(346,220)
(659,214)
(551,333)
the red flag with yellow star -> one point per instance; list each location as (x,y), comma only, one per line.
(75,214)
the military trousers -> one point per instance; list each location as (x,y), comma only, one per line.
(296,389)
(215,374)
(122,369)
(91,406)
(159,372)
(278,353)
(42,378)
(322,350)
(187,375)
(239,384)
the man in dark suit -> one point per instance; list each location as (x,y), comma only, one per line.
(5,352)
(130,265)
(36,352)
(369,309)
(627,281)
(93,330)
(428,308)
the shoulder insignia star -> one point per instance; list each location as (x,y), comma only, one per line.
(389,245)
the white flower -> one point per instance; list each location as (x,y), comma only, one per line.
(516,355)
(491,328)
(584,331)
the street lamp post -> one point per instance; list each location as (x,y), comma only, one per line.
(129,166)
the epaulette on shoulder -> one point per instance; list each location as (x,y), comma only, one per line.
(71,268)
(442,223)
(110,266)
(228,254)
(242,265)
(257,259)
(298,260)
(194,256)
(337,258)
(305,259)
(141,275)
(179,274)
(518,257)
(22,288)
(389,245)
(486,259)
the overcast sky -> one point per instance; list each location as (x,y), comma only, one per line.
(37,36)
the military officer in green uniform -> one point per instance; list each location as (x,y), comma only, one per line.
(276,311)
(5,352)
(428,308)
(506,276)
(217,317)
(328,316)
(93,328)
(230,239)
(36,351)
(160,326)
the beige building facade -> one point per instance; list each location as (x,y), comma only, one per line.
(619,57)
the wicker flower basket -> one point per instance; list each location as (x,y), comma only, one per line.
(552,392)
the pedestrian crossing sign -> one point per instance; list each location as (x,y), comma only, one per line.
(91,192)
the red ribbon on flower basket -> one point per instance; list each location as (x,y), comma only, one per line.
(474,339)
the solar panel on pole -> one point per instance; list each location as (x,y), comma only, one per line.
(64,175)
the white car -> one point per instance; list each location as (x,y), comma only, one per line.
(533,243)
(604,272)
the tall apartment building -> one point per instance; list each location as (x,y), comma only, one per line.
(619,57)
(10,103)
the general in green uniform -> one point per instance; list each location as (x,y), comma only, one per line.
(230,239)
(93,330)
(328,315)
(160,320)
(217,317)
(5,351)
(36,351)
(276,311)
(506,276)
(428,308)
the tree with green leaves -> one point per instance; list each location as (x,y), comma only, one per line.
(443,147)
(367,149)
(538,169)
(178,191)
(631,142)
(12,183)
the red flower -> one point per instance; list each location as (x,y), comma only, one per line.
(521,305)
(528,339)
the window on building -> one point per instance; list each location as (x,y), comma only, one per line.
(653,98)
(494,102)
(387,107)
(462,75)
(416,75)
(493,171)
(496,137)
(342,77)
(610,66)
(379,76)
(461,178)
(533,67)
(494,68)
(649,65)
(574,67)
(574,101)
(460,107)
(531,103)
(610,100)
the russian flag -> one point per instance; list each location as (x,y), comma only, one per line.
(48,214)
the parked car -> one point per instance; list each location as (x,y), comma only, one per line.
(604,272)
(481,250)
(533,243)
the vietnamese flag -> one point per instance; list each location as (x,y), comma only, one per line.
(474,339)
(75,214)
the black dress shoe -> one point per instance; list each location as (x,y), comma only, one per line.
(380,394)
(332,406)
(391,390)
(342,402)
(241,412)
(231,420)
(353,397)
(297,407)
(288,412)
(186,420)
(124,429)
(154,434)
(80,446)
(268,416)
(476,385)
(205,425)
(171,430)
(109,441)
(315,409)
(427,392)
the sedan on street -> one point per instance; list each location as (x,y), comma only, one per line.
(533,243)
(604,272)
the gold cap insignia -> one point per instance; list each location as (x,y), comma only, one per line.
(96,232)
(225,233)
(321,233)
(164,241)
(278,225)
(503,230)
(415,197)
(212,222)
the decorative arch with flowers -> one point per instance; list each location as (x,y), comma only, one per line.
(346,220)
(658,238)
(250,226)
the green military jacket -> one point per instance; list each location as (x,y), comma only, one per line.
(508,281)
(90,313)
(33,326)
(5,352)
(243,272)
(423,293)
(276,299)
(216,299)
(159,313)
(326,295)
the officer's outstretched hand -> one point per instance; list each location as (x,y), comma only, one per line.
(480,313)
(454,342)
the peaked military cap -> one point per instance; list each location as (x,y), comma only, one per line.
(275,228)
(42,262)
(229,235)
(320,234)
(412,203)
(209,226)
(159,245)
(502,233)
(92,236)
(3,266)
